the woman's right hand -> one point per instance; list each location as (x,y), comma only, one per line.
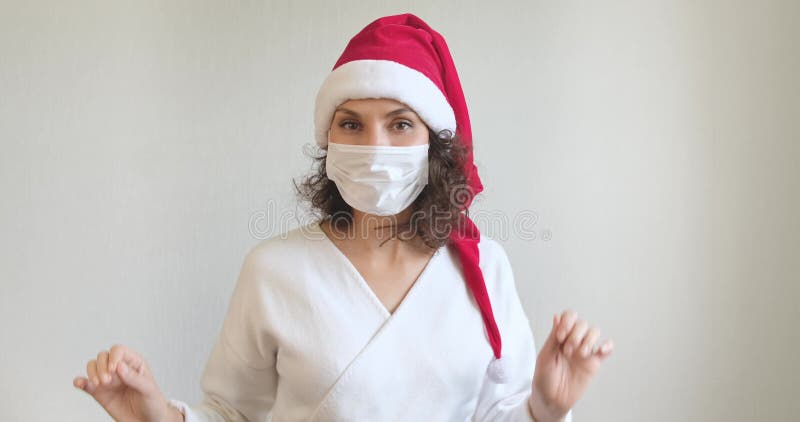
(121,381)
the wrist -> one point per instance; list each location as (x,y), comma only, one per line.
(174,414)
(542,412)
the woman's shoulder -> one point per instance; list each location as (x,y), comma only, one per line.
(496,267)
(287,246)
(491,252)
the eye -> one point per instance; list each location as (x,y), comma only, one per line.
(404,122)
(345,124)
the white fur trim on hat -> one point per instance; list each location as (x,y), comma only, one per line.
(381,79)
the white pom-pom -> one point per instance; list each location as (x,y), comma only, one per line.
(498,370)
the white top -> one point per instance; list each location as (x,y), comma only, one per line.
(306,339)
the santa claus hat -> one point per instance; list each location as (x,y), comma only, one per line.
(401,57)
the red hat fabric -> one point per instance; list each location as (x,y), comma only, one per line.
(403,58)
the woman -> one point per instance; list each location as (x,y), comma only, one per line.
(391,306)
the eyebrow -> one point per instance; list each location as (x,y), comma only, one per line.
(353,113)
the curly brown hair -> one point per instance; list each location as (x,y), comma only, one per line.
(436,211)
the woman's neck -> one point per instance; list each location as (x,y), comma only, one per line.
(371,233)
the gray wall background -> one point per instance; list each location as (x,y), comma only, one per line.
(657,143)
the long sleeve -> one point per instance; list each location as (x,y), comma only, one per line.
(239,381)
(508,401)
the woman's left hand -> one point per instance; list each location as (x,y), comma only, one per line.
(566,363)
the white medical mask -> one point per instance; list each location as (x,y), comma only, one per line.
(378,179)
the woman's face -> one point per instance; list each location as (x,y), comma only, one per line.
(377,121)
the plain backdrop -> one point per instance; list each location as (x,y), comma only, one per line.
(146,146)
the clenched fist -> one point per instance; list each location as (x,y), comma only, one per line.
(121,381)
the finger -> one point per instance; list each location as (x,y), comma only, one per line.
(551,342)
(91,374)
(102,367)
(566,322)
(133,378)
(575,337)
(587,345)
(80,383)
(120,353)
(87,386)
(606,348)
